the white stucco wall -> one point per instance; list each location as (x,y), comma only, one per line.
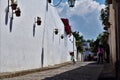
(19,50)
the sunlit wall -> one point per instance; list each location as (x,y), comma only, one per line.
(19,49)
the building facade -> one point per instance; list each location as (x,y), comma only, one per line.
(114,34)
(26,44)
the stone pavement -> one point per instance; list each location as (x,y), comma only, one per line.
(108,72)
(78,71)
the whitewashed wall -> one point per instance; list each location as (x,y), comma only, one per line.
(19,50)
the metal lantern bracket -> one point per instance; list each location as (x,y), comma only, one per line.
(56,31)
(62,36)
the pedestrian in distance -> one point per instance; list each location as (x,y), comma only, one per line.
(100,54)
(72,57)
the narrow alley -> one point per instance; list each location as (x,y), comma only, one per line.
(78,71)
(60,40)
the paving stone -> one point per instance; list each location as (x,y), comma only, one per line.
(78,71)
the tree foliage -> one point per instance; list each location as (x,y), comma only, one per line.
(79,41)
(101,39)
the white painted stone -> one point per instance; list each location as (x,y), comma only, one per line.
(19,50)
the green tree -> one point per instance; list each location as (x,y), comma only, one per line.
(101,39)
(79,41)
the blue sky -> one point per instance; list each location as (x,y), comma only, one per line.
(100,1)
(84,17)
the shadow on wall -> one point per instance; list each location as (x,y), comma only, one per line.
(11,22)
(81,73)
(42,57)
(34,30)
(6,15)
(11,17)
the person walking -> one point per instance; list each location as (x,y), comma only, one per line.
(100,54)
(72,57)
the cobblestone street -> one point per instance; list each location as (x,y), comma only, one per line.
(78,71)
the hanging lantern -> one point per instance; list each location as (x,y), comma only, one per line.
(13,6)
(62,36)
(71,3)
(71,53)
(49,1)
(17,12)
(56,31)
(38,21)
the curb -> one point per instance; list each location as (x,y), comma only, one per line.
(25,72)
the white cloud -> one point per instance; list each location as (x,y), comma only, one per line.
(82,7)
(86,13)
